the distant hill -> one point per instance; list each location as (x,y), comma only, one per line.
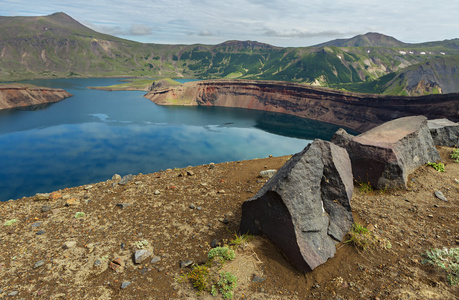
(58,46)
(371,39)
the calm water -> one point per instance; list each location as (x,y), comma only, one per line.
(94,134)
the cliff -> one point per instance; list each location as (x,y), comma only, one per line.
(21,95)
(356,111)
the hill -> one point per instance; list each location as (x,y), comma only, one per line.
(59,46)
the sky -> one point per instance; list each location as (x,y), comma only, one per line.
(284,23)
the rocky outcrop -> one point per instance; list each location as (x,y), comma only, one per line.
(444,132)
(305,207)
(21,95)
(384,156)
(360,112)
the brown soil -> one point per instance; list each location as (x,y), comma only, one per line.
(413,220)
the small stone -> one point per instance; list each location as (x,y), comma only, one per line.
(36,224)
(155,259)
(214,243)
(157,192)
(125,284)
(69,244)
(71,202)
(54,196)
(141,255)
(267,173)
(225,220)
(12,294)
(40,232)
(192,206)
(98,263)
(211,166)
(185,263)
(116,177)
(123,205)
(88,187)
(122,246)
(258,279)
(138,182)
(430,216)
(38,264)
(221,191)
(126,179)
(199,208)
(440,196)
(190,173)
(41,196)
(270,156)
(45,208)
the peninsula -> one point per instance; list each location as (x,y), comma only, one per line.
(357,111)
(23,95)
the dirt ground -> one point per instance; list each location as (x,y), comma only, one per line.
(180,212)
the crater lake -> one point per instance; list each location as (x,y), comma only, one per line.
(94,134)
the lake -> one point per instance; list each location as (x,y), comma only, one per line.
(94,134)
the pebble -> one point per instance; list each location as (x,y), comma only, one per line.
(125,284)
(214,243)
(40,232)
(36,224)
(45,208)
(430,216)
(190,173)
(54,196)
(97,263)
(123,205)
(440,196)
(211,166)
(38,264)
(126,179)
(69,244)
(185,263)
(141,255)
(42,196)
(88,187)
(12,294)
(116,177)
(71,202)
(192,206)
(221,191)
(258,279)
(199,208)
(267,173)
(155,259)
(157,192)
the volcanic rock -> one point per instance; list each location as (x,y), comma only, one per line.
(444,132)
(305,207)
(384,156)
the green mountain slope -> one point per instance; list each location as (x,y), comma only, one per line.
(59,46)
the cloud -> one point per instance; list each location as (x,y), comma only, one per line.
(295,33)
(205,33)
(140,29)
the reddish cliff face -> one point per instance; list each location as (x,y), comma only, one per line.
(20,95)
(357,111)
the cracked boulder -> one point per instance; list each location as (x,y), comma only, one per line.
(385,155)
(305,207)
(444,132)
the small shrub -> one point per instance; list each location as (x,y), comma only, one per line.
(226,285)
(455,155)
(365,187)
(440,167)
(79,214)
(141,244)
(447,260)
(224,253)
(364,239)
(199,277)
(10,222)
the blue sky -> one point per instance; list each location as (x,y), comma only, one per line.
(277,22)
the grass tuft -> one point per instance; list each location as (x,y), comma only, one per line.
(440,167)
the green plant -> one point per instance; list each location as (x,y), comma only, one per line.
(440,167)
(226,284)
(10,222)
(364,239)
(240,240)
(224,253)
(141,244)
(365,187)
(79,214)
(199,277)
(445,259)
(455,155)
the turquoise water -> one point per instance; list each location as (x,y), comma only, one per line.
(94,134)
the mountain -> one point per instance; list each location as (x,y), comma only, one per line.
(58,46)
(371,39)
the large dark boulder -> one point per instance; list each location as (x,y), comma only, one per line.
(385,155)
(305,207)
(444,132)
